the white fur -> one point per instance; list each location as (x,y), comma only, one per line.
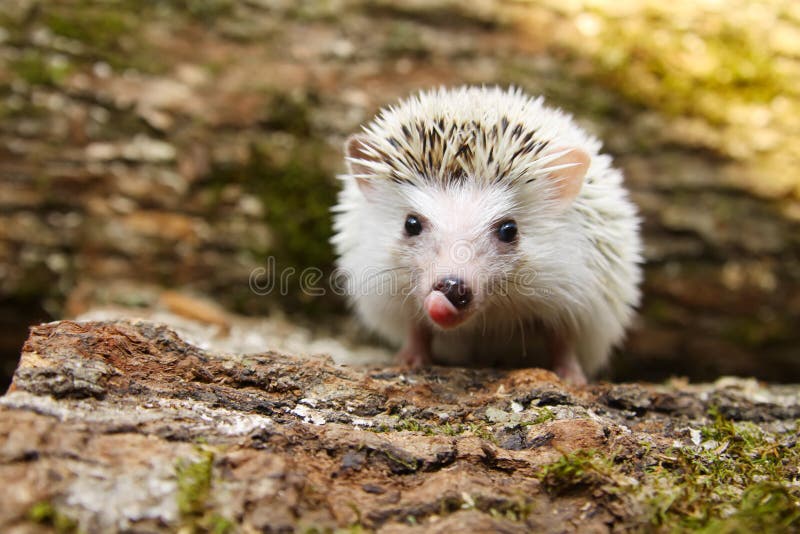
(577,267)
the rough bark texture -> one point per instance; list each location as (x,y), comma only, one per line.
(182,143)
(122,425)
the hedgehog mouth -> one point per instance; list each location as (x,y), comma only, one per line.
(442,312)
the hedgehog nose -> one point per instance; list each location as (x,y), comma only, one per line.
(456,291)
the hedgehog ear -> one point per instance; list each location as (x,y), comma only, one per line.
(357,150)
(566,171)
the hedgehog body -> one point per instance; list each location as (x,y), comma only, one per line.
(478,225)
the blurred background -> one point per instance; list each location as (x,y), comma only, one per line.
(154,153)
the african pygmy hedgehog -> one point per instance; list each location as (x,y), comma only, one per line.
(478,225)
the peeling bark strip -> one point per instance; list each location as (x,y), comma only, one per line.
(123,425)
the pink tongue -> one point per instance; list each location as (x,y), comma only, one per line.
(440,310)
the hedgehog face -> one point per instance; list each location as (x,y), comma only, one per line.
(444,189)
(460,244)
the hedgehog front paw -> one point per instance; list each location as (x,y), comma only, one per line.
(570,371)
(565,362)
(407,357)
(417,349)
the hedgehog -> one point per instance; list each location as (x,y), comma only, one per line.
(478,226)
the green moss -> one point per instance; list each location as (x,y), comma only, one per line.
(38,68)
(661,311)
(404,39)
(412,425)
(194,480)
(752,332)
(739,481)
(482,431)
(356,526)
(576,470)
(451,430)
(297,193)
(290,113)
(205,10)
(544,415)
(297,196)
(314,10)
(44,513)
(220,525)
(110,33)
(631,56)
(447,429)
(765,507)
(377,429)
(194,484)
(720,66)
(101,28)
(516,510)
(409,464)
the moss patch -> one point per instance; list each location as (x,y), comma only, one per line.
(738,473)
(194,494)
(39,68)
(297,191)
(102,29)
(545,414)
(45,513)
(577,470)
(738,479)
(480,430)
(111,33)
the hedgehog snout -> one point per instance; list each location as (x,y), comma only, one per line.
(455,289)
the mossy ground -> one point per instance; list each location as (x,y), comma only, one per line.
(738,478)
(479,429)
(727,477)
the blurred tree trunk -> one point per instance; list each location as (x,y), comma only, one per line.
(182,146)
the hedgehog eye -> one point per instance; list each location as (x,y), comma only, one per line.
(507,231)
(413,225)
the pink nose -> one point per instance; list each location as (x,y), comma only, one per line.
(457,292)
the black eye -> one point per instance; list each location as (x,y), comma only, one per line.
(507,231)
(413,225)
